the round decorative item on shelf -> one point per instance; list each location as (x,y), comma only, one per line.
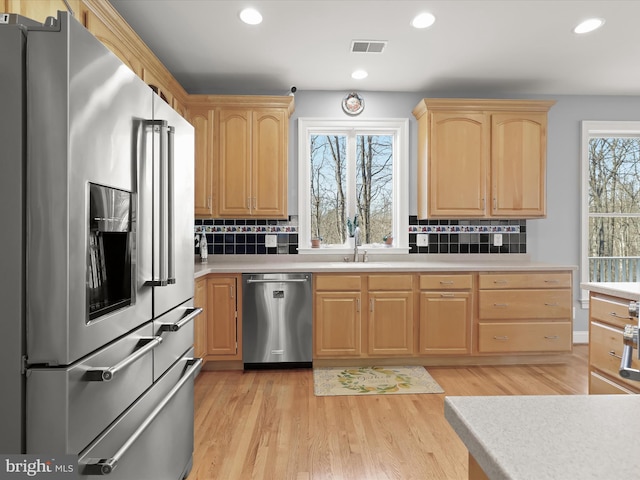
(353,104)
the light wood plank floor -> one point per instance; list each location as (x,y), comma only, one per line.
(269,425)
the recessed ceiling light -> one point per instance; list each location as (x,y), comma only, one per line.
(589,25)
(250,16)
(359,74)
(423,20)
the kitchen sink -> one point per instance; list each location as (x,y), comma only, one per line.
(357,265)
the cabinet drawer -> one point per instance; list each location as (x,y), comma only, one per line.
(602,385)
(513,304)
(524,280)
(610,310)
(446,282)
(524,337)
(338,282)
(605,350)
(390,282)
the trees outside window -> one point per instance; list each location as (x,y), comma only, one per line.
(352,172)
(611,203)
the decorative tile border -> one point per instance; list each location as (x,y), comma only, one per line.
(464,229)
(246,229)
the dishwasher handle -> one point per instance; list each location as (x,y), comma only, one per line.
(273,280)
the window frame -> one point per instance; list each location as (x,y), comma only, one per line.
(595,129)
(396,127)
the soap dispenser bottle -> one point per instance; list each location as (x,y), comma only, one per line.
(203,249)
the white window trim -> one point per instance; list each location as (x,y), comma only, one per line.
(399,127)
(591,129)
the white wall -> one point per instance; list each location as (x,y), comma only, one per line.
(555,239)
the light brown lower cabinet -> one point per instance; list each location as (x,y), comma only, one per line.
(363,315)
(337,316)
(524,312)
(607,317)
(337,324)
(223,326)
(200,322)
(446,307)
(390,319)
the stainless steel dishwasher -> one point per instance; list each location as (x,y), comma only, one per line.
(276,320)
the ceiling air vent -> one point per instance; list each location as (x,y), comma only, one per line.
(368,46)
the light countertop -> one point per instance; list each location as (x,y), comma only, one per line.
(628,290)
(399,263)
(568,437)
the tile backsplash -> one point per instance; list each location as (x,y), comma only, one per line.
(467,236)
(249,237)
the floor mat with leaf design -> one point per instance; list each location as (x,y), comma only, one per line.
(372,381)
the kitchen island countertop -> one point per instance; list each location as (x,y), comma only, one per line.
(628,290)
(568,437)
(398,263)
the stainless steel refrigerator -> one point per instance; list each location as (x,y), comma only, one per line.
(96,284)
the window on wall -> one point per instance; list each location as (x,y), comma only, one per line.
(611,201)
(353,175)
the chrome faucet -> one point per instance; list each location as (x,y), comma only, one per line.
(356,242)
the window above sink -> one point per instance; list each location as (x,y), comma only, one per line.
(353,174)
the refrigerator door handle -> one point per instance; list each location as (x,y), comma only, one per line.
(104,466)
(170,176)
(163,258)
(190,314)
(106,374)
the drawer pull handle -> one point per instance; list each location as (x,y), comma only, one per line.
(613,354)
(500,305)
(446,282)
(502,338)
(500,282)
(551,304)
(551,337)
(551,281)
(449,295)
(615,315)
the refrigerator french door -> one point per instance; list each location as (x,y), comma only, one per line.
(97,209)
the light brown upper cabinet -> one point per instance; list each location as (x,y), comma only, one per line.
(202,121)
(482,158)
(251,173)
(249,155)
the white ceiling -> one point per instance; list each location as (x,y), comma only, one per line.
(515,47)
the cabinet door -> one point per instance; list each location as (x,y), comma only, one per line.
(221,316)
(390,323)
(337,324)
(202,120)
(458,164)
(445,323)
(233,170)
(518,164)
(200,325)
(269,163)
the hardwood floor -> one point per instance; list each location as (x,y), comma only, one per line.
(269,425)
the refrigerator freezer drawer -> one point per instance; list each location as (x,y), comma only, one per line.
(158,427)
(68,407)
(176,330)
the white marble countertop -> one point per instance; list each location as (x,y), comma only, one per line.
(399,263)
(550,437)
(628,290)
